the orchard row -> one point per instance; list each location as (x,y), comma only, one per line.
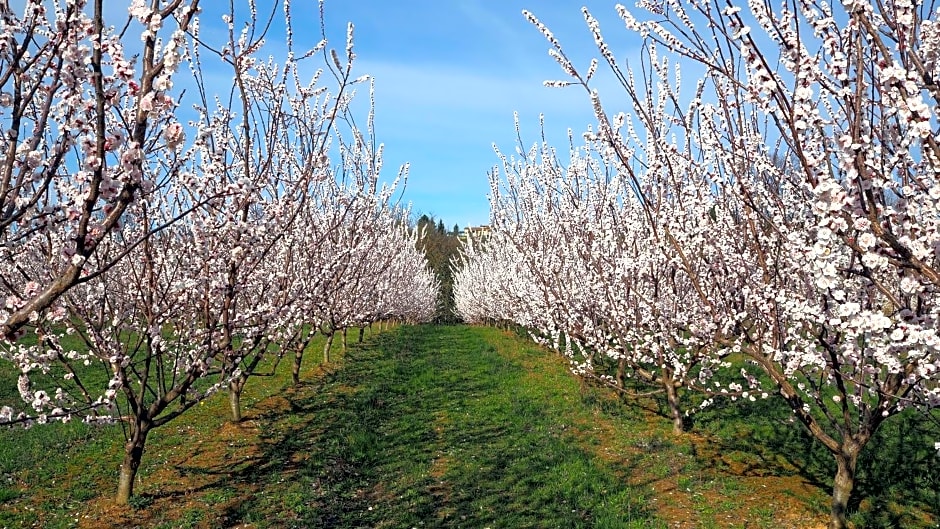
(769,230)
(158,239)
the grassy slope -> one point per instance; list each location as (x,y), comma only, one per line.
(57,475)
(435,426)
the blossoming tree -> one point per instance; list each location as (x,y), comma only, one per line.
(185,292)
(802,218)
(79,116)
(612,290)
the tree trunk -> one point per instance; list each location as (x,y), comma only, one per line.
(344,338)
(622,373)
(362,331)
(843,484)
(672,399)
(234,398)
(326,348)
(133,453)
(295,370)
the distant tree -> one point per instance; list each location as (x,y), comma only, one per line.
(440,247)
(424,221)
(456,230)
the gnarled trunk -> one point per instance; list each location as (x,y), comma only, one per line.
(133,453)
(622,373)
(295,369)
(843,484)
(672,400)
(327,347)
(362,331)
(234,398)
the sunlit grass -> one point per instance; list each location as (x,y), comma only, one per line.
(49,472)
(435,426)
(456,426)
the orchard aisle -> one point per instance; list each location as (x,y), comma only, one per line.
(426,426)
(443,426)
(456,426)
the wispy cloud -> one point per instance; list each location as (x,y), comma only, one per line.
(445,120)
(449,76)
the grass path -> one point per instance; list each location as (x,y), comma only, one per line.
(431,426)
(440,427)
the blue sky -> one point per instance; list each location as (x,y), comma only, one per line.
(450,73)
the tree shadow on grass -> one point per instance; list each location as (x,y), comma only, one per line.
(405,434)
(760,438)
(897,483)
(401,435)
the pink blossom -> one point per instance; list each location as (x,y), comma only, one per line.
(174,135)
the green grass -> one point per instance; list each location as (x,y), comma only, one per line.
(48,473)
(456,426)
(897,483)
(434,426)
(53,470)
